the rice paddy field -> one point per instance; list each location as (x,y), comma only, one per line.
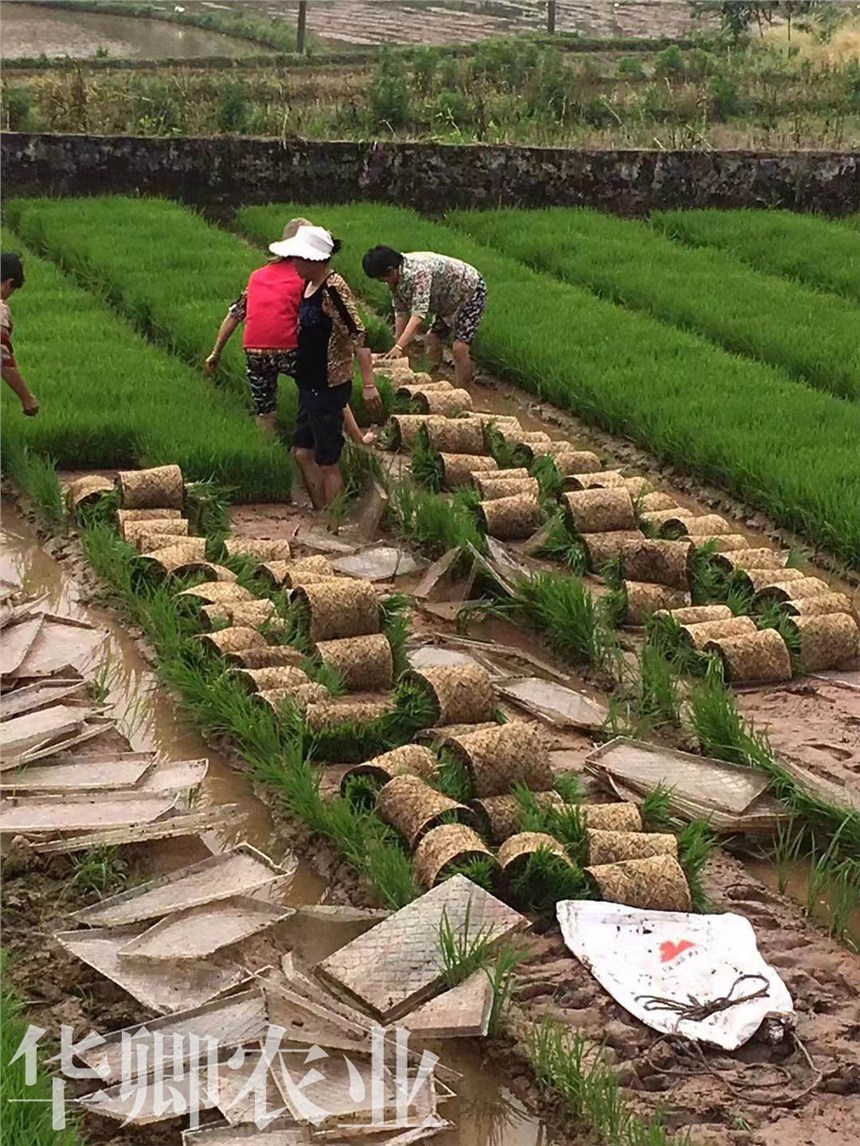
(740,368)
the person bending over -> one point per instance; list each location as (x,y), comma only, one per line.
(330,338)
(423,283)
(269,308)
(12,279)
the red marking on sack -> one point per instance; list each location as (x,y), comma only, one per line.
(670,950)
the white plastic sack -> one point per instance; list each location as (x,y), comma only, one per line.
(639,956)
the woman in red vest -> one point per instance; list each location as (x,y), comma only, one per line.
(269,308)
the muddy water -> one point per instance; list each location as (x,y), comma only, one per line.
(29,30)
(484,1112)
(796,879)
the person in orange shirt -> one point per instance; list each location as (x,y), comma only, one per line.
(12,279)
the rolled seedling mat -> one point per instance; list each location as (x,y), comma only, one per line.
(299,696)
(511,518)
(252,614)
(235,639)
(449,845)
(503,757)
(193,548)
(458,469)
(87,490)
(482,480)
(262,550)
(601,479)
(331,713)
(412,807)
(410,389)
(721,542)
(181,558)
(657,883)
(754,658)
(611,817)
(346,607)
(790,589)
(407,427)
(819,606)
(160,513)
(299,580)
(658,562)
(603,547)
(270,656)
(600,510)
(827,642)
(222,573)
(461,694)
(570,462)
(279,573)
(365,664)
(136,531)
(759,579)
(516,850)
(698,614)
(147,542)
(500,816)
(697,636)
(217,591)
(613,847)
(643,599)
(493,488)
(152,488)
(281,676)
(657,500)
(709,523)
(449,403)
(658,517)
(456,436)
(409,760)
(637,486)
(750,559)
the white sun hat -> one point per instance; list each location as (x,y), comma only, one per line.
(313,243)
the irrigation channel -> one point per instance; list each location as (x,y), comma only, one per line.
(781,1087)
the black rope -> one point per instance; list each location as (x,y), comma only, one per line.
(694,1010)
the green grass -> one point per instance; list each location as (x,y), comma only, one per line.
(706,291)
(813,250)
(720,417)
(111,399)
(432,523)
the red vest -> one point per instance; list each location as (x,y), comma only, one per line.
(274,297)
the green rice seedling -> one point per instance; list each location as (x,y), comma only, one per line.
(546,878)
(433,524)
(396,625)
(562,607)
(533,818)
(569,787)
(658,693)
(359,467)
(560,545)
(326,675)
(707,582)
(99,869)
(207,507)
(655,810)
(789,849)
(695,844)
(453,777)
(568,825)
(389,869)
(38,477)
(481,870)
(549,480)
(426,465)
(709,411)
(463,951)
(507,455)
(774,617)
(502,976)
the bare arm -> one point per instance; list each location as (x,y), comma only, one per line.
(225,332)
(351,426)
(15,380)
(371,395)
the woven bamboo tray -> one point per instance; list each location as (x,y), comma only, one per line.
(280,573)
(180,559)
(708,523)
(346,607)
(500,816)
(450,845)
(570,462)
(449,403)
(409,760)
(87,491)
(511,518)
(637,486)
(410,389)
(134,531)
(826,642)
(790,590)
(757,658)
(456,435)
(188,548)
(658,517)
(234,640)
(657,500)
(216,591)
(644,599)
(124,516)
(515,852)
(697,614)
(600,510)
(413,808)
(461,694)
(697,636)
(261,550)
(250,614)
(407,427)
(483,480)
(152,488)
(750,559)
(611,817)
(819,606)
(758,579)
(601,479)
(147,542)
(492,488)
(332,713)
(603,547)
(654,884)
(501,758)
(222,573)
(657,562)
(457,469)
(270,656)
(298,697)
(614,847)
(365,664)
(721,542)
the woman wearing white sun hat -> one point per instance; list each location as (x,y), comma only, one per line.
(331,338)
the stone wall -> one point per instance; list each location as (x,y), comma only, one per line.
(430,177)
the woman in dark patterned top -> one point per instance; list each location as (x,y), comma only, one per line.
(330,339)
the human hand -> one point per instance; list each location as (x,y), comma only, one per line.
(372,399)
(212,363)
(31,407)
(396,351)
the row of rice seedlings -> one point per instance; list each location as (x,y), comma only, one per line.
(110,399)
(687,401)
(37,475)
(832,886)
(805,248)
(708,292)
(433,524)
(562,608)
